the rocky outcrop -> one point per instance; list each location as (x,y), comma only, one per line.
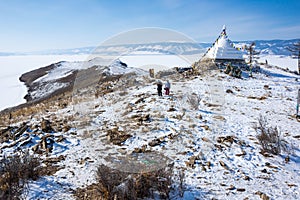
(40,90)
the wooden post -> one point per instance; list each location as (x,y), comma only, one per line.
(151,72)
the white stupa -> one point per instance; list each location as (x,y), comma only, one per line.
(223,50)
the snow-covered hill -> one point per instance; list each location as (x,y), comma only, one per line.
(205,127)
(59,77)
(272,47)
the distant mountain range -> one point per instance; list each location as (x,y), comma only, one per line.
(272,47)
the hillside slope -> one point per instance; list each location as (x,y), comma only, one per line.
(205,127)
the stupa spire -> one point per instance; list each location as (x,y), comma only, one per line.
(223,49)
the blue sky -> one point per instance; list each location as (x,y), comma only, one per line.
(29,25)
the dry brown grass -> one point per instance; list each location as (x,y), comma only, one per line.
(115,184)
(15,173)
(269,137)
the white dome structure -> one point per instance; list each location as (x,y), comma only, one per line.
(223,50)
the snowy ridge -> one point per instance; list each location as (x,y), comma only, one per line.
(272,47)
(59,76)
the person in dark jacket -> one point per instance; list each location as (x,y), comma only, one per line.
(159,88)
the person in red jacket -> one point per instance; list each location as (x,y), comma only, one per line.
(167,87)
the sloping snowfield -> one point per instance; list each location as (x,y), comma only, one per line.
(284,62)
(205,127)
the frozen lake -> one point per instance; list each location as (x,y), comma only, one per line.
(13,67)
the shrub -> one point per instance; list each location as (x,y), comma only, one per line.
(188,101)
(269,137)
(15,172)
(194,101)
(181,188)
(115,184)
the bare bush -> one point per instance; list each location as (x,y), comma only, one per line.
(15,172)
(109,180)
(194,101)
(269,137)
(159,181)
(189,101)
(181,187)
(115,184)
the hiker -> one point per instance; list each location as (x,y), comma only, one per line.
(298,104)
(167,87)
(159,88)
